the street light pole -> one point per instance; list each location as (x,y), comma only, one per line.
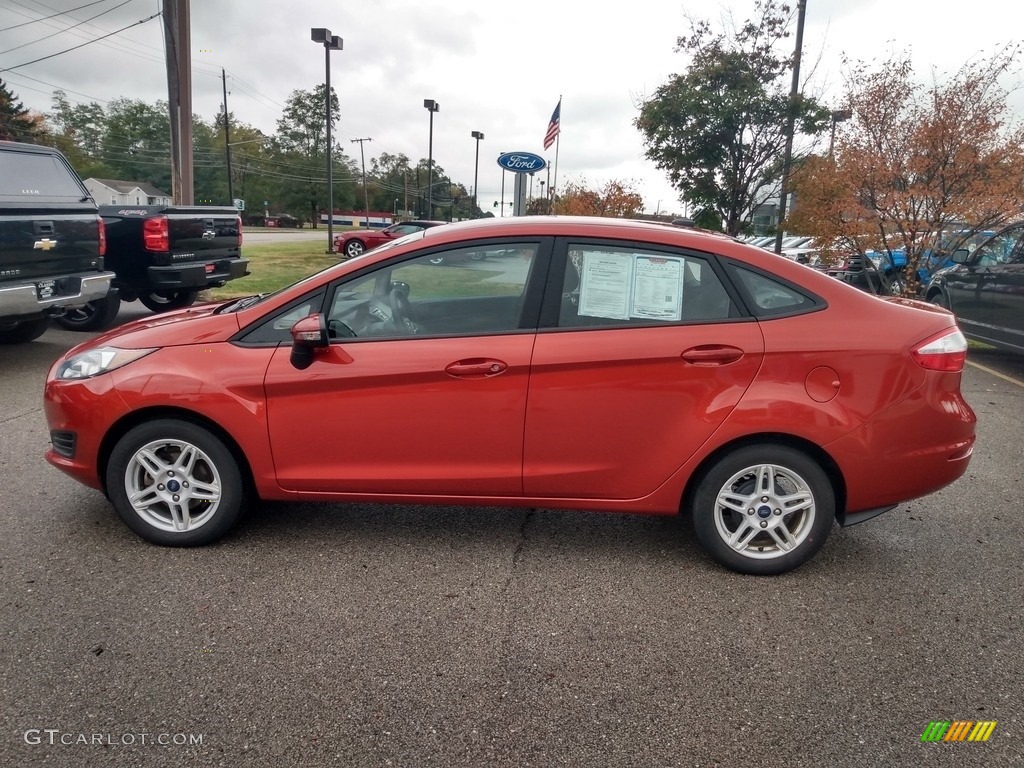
(331,43)
(432,107)
(476,170)
(794,93)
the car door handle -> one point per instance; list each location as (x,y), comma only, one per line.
(712,354)
(476,368)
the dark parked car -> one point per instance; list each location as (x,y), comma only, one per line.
(985,289)
(358,240)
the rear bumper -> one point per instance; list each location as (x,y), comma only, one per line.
(201,275)
(38,297)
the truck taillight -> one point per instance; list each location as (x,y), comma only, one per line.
(156,234)
(944,352)
(238,219)
(102,228)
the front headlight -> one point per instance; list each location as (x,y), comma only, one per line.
(93,362)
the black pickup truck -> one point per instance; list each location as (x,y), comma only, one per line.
(163,256)
(51,242)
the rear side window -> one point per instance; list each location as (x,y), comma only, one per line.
(769,297)
(30,176)
(614,286)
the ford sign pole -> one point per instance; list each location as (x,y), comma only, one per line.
(520,163)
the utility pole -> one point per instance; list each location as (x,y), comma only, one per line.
(794,94)
(366,195)
(227,134)
(178,42)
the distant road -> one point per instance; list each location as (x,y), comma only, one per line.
(285,235)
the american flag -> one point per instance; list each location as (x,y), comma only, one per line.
(554,126)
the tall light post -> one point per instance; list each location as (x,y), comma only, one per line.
(838,116)
(431,106)
(794,93)
(330,43)
(476,170)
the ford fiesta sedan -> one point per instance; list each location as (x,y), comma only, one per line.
(585,363)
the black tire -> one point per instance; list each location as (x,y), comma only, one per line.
(939,299)
(757,532)
(22,331)
(896,284)
(164,301)
(211,489)
(95,316)
(354,248)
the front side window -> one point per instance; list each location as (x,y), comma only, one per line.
(611,285)
(1000,249)
(461,291)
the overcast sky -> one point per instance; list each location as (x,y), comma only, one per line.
(494,67)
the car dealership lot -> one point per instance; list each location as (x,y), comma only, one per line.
(411,636)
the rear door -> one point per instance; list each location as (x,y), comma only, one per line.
(1008,295)
(645,354)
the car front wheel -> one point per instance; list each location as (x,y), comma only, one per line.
(175,483)
(353,248)
(763,509)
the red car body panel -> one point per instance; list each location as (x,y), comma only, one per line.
(605,419)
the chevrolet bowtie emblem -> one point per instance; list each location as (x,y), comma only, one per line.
(45,244)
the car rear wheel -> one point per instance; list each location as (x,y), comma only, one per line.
(164,301)
(763,509)
(21,331)
(353,248)
(175,483)
(94,316)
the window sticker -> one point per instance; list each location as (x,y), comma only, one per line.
(657,288)
(604,285)
(622,286)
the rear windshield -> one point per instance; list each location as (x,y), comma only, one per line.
(28,176)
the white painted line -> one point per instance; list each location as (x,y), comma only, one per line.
(997,374)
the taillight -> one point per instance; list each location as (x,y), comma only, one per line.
(238,224)
(102,227)
(944,352)
(156,234)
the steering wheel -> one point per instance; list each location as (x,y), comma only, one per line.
(403,317)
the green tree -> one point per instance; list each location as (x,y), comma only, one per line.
(719,129)
(16,122)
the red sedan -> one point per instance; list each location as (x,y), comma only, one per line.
(585,364)
(356,241)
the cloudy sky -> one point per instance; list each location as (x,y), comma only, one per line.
(494,67)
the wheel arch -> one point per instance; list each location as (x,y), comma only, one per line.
(131,420)
(814,451)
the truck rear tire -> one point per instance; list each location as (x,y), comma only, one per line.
(94,316)
(164,301)
(21,331)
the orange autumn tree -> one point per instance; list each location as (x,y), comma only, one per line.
(915,164)
(616,199)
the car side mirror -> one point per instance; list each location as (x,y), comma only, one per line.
(308,335)
(961,256)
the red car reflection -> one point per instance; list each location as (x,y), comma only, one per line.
(582,363)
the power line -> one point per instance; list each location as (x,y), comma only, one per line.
(66,29)
(59,13)
(75,48)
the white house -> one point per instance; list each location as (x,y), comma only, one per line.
(113,192)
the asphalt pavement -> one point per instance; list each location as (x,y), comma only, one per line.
(362,635)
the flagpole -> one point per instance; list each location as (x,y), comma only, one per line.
(558,142)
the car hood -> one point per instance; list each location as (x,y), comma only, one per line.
(194,325)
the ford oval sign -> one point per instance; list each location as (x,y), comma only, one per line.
(521,162)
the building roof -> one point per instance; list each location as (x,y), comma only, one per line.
(124,187)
